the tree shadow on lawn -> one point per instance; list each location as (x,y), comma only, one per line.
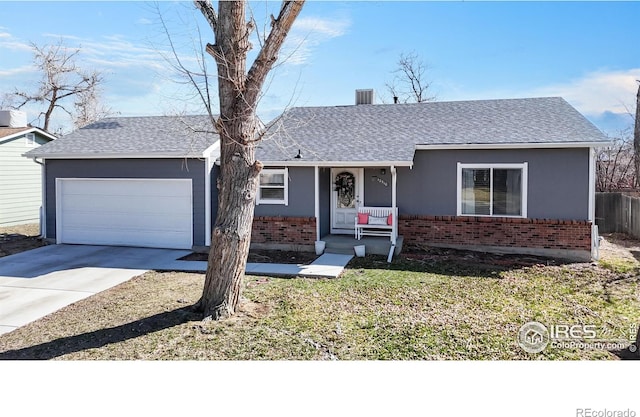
(103,337)
(452,262)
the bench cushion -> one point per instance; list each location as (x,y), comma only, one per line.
(380,221)
(363,218)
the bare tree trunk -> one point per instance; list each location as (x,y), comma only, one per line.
(238,128)
(636,139)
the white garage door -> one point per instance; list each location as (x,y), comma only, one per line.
(154,213)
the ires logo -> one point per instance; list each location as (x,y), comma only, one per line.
(534,337)
(572,332)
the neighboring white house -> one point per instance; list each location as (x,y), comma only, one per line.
(20,177)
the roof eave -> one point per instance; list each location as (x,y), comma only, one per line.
(164,155)
(353,164)
(30,130)
(526,145)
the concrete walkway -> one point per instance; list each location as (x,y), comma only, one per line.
(328,265)
(38,282)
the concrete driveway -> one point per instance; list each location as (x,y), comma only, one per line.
(40,281)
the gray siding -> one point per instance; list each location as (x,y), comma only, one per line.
(377,187)
(301,196)
(20,182)
(129,168)
(558,181)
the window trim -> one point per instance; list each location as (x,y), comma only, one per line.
(524,166)
(285,200)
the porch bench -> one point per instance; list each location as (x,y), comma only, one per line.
(376,221)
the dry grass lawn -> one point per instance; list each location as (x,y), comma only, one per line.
(434,305)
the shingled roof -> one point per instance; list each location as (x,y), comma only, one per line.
(155,136)
(391,132)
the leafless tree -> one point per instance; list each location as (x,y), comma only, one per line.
(615,168)
(89,107)
(636,138)
(409,84)
(239,90)
(63,86)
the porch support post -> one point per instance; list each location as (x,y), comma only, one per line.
(316,175)
(394,204)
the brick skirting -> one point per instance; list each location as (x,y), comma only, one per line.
(284,230)
(496,231)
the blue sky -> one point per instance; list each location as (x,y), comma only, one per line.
(585,52)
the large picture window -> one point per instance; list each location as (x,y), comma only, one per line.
(272,188)
(492,190)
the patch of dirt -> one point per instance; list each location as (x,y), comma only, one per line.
(266,256)
(619,246)
(16,239)
(427,253)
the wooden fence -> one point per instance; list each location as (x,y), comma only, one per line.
(618,212)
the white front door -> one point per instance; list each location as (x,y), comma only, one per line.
(346,196)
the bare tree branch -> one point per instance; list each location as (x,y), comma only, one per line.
(409,83)
(61,80)
(636,137)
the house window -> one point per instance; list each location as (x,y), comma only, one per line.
(492,190)
(273,187)
(30,139)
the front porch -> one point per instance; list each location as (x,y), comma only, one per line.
(344,244)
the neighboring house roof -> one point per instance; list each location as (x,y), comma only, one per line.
(7,133)
(134,137)
(390,133)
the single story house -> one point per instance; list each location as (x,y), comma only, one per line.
(515,175)
(20,178)
(134,181)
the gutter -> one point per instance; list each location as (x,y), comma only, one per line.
(550,145)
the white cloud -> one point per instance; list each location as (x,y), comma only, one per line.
(309,32)
(7,41)
(327,27)
(25,69)
(598,92)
